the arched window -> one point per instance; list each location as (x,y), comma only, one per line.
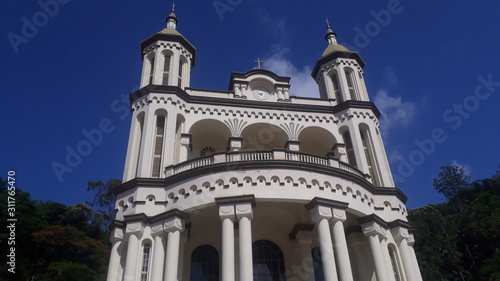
(204,264)
(351,84)
(146,254)
(166,69)
(268,262)
(351,157)
(336,88)
(151,68)
(395,264)
(317,264)
(158,145)
(182,63)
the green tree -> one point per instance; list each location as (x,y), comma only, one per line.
(104,199)
(450,181)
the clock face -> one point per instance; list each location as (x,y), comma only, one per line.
(261,95)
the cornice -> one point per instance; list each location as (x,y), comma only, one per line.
(339,54)
(243,103)
(271,164)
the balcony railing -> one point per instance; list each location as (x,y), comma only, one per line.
(262,155)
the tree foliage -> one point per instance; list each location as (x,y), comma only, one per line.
(56,242)
(460,239)
(104,199)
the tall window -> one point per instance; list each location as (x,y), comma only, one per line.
(268,262)
(351,157)
(317,264)
(181,67)
(151,68)
(158,145)
(394,263)
(166,69)
(145,262)
(336,88)
(351,84)
(370,156)
(204,264)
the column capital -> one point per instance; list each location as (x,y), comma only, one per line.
(186,139)
(400,230)
(117,231)
(411,240)
(135,224)
(373,225)
(168,222)
(227,212)
(322,208)
(242,205)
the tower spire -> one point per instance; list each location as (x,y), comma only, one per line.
(172,18)
(330,36)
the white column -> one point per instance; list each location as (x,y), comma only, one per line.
(326,246)
(411,242)
(174,74)
(227,215)
(169,143)
(114,267)
(173,226)
(146,150)
(401,235)
(344,89)
(378,257)
(385,170)
(159,63)
(341,250)
(158,258)
(321,215)
(373,228)
(132,254)
(357,145)
(244,214)
(132,148)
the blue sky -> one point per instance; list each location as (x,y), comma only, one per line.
(432,69)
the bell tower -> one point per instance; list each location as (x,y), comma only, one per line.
(167,57)
(339,75)
(339,72)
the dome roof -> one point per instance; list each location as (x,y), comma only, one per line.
(333,48)
(170,31)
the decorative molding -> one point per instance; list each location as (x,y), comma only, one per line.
(235,126)
(292,130)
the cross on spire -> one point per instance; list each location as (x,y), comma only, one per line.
(327,23)
(258,61)
(173,6)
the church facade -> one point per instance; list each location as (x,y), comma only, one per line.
(253,183)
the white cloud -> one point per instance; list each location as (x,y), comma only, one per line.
(465,167)
(395,111)
(302,84)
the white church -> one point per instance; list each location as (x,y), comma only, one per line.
(253,183)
